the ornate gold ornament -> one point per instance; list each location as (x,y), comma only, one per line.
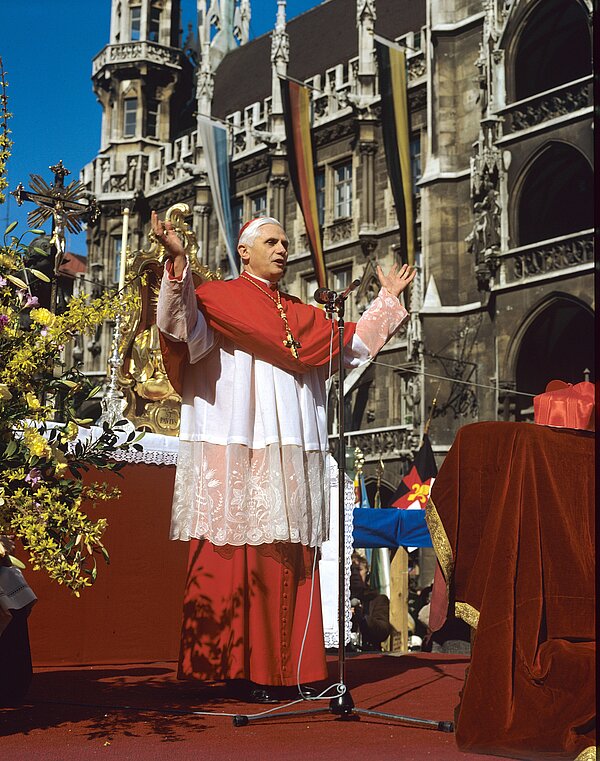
(152,403)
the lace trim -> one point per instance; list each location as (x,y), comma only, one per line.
(328,566)
(149,457)
(236,495)
(15,592)
(157,449)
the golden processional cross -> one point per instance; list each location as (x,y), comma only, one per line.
(61,203)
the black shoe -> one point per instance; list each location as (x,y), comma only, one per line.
(270,694)
(264,694)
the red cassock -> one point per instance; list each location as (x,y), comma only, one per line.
(245,613)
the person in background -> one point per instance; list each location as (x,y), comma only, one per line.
(16,601)
(370,610)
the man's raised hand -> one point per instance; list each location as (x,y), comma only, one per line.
(397,279)
(166,234)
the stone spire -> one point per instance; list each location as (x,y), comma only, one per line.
(231,19)
(205,82)
(365,22)
(241,22)
(280,57)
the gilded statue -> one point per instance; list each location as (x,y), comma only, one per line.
(152,403)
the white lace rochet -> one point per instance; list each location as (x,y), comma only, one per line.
(236,495)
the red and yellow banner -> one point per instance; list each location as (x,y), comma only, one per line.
(395,126)
(297,117)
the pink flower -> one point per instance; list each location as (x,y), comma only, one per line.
(32,301)
(4,320)
(33,476)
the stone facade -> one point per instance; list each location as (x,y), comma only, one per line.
(487,169)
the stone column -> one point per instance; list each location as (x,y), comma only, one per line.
(278,184)
(201,220)
(367,149)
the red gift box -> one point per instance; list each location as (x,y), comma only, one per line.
(563,405)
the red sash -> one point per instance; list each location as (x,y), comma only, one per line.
(237,310)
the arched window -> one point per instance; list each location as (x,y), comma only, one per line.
(557,345)
(557,195)
(554,47)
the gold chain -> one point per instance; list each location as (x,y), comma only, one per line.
(290,342)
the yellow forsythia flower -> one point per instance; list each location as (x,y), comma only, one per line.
(32,401)
(36,443)
(42,316)
(70,431)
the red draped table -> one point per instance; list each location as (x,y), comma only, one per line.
(512,521)
(132,613)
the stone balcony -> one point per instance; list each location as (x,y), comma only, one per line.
(555,256)
(134,52)
(390,442)
(551,104)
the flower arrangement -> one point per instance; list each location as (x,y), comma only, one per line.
(42,462)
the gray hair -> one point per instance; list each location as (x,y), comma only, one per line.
(250,231)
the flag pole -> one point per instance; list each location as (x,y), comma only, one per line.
(431,411)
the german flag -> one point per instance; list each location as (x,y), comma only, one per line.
(297,118)
(416,484)
(395,127)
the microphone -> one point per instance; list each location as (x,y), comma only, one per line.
(353,285)
(326,296)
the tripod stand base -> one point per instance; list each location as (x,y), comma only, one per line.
(342,706)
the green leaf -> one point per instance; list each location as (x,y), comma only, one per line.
(11,227)
(69,384)
(41,251)
(40,275)
(85,421)
(17,281)
(93,392)
(11,448)
(16,562)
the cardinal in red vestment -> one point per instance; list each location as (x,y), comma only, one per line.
(251,490)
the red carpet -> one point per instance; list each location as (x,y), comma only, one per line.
(79,713)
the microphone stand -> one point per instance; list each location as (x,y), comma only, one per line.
(342,706)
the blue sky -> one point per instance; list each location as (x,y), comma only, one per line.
(47,48)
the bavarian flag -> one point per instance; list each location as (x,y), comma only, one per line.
(414,487)
(395,126)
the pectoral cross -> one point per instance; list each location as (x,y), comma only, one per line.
(290,342)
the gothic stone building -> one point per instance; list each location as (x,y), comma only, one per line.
(500,101)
